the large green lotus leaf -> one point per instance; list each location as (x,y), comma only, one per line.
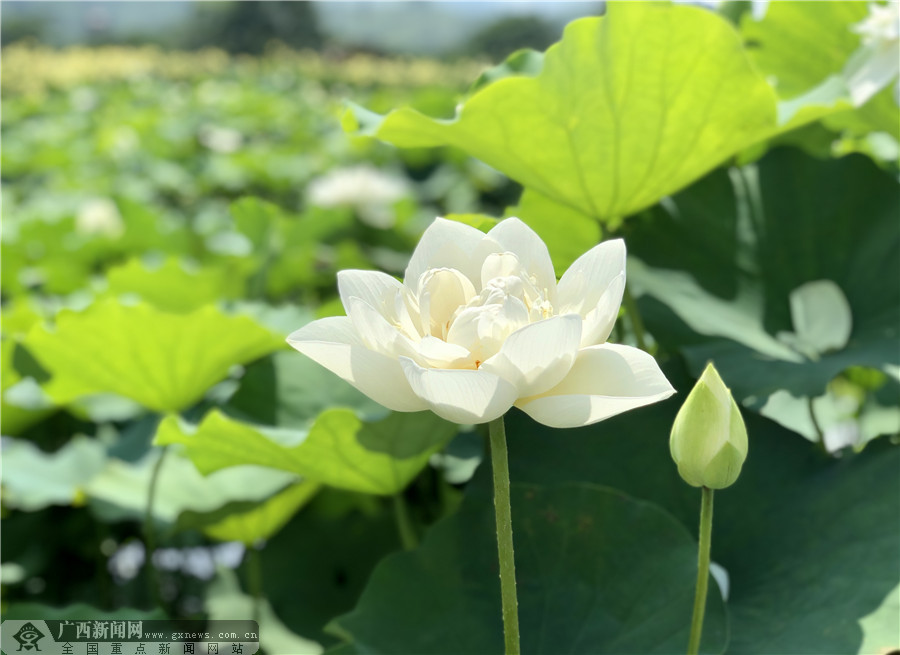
(249,521)
(597,571)
(703,220)
(521,62)
(164,361)
(627,109)
(802,536)
(33,479)
(340,449)
(172,287)
(19,314)
(846,232)
(119,491)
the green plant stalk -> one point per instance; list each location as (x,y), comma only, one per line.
(634,316)
(503,512)
(254,579)
(404,524)
(706,516)
(150,529)
(818,428)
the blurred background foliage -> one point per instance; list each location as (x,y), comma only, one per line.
(181,183)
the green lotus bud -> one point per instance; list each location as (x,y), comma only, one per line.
(709,440)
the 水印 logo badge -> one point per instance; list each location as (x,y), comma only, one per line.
(28,637)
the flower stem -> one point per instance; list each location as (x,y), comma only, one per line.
(637,323)
(706,516)
(817,427)
(150,529)
(254,579)
(500,466)
(404,524)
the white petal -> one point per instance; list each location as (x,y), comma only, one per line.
(537,357)
(441,292)
(581,287)
(483,330)
(379,335)
(516,237)
(445,244)
(872,69)
(333,343)
(604,381)
(437,353)
(376,333)
(461,396)
(499,265)
(599,321)
(373,287)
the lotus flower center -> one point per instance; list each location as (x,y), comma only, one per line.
(450,308)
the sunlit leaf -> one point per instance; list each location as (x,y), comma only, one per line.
(627,109)
(172,287)
(120,490)
(340,449)
(545,216)
(250,522)
(33,479)
(163,361)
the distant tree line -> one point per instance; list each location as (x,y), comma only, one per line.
(247,28)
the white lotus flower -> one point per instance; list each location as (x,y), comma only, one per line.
(100,216)
(480,324)
(220,139)
(369,191)
(877,62)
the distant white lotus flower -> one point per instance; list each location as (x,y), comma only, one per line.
(100,216)
(369,191)
(480,324)
(877,62)
(220,139)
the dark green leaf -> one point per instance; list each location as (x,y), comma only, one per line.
(597,572)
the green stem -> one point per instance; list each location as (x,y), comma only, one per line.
(500,466)
(404,524)
(637,324)
(150,529)
(254,580)
(706,516)
(817,427)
